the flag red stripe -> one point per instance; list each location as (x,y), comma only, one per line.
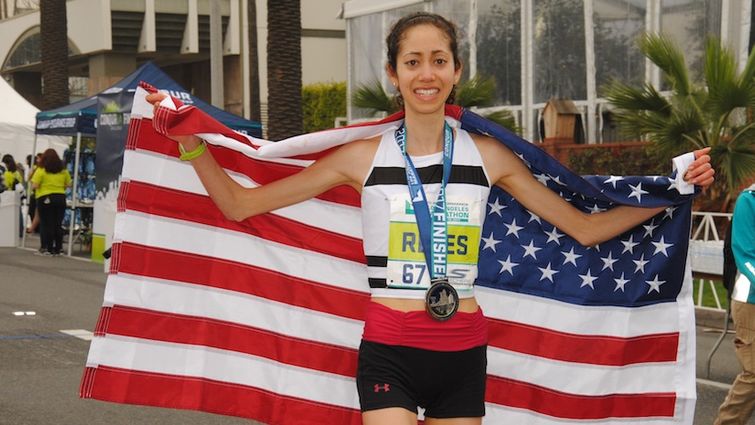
(202,270)
(225,274)
(508,392)
(171,203)
(262,172)
(152,389)
(576,348)
(182,329)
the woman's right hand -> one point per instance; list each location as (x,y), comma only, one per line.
(189,142)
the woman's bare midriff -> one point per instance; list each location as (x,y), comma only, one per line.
(466,305)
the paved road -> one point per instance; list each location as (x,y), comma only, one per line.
(40,367)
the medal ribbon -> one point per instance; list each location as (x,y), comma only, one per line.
(433,228)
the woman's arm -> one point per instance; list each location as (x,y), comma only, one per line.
(508,172)
(346,165)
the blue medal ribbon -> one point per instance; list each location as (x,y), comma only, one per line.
(433,227)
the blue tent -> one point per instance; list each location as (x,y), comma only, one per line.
(81,116)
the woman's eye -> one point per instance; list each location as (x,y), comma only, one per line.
(440,61)
(411,62)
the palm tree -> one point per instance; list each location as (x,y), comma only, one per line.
(716,112)
(54,39)
(475,92)
(284,68)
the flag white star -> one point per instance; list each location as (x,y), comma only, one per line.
(637,192)
(595,209)
(672,185)
(629,245)
(553,236)
(527,163)
(655,284)
(587,280)
(533,217)
(507,266)
(490,242)
(612,180)
(542,178)
(608,261)
(661,246)
(669,212)
(556,180)
(640,264)
(620,282)
(513,228)
(531,250)
(649,229)
(495,208)
(571,257)
(547,273)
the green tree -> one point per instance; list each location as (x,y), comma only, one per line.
(284,68)
(54,45)
(716,112)
(475,92)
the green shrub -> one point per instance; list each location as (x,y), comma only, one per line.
(321,104)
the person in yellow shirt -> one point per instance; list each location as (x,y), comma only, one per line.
(50,182)
(11,176)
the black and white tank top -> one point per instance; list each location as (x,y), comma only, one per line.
(396,264)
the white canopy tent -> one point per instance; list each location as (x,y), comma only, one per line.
(17,120)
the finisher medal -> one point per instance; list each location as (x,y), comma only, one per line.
(441,300)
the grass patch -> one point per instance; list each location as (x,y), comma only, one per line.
(708,298)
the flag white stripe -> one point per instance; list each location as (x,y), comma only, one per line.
(158,170)
(235,307)
(496,414)
(222,365)
(582,379)
(571,318)
(177,235)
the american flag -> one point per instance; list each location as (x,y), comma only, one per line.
(262,318)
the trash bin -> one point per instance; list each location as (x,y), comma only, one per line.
(10,205)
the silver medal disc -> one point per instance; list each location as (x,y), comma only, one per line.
(441,300)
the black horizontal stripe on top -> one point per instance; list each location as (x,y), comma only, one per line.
(460,174)
(376,260)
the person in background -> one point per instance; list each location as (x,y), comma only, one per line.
(33,212)
(740,402)
(50,181)
(13,180)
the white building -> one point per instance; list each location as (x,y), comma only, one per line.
(538,49)
(110,38)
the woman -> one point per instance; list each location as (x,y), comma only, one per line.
(441,366)
(33,212)
(11,176)
(50,182)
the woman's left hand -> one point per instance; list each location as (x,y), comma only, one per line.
(700,172)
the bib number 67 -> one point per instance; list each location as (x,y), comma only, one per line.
(412,273)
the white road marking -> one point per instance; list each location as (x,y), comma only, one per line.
(79,333)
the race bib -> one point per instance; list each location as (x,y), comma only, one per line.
(407,268)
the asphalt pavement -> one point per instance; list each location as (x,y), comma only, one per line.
(49,306)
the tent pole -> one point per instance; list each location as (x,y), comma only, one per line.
(73,193)
(28,187)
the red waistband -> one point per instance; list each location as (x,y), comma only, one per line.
(418,330)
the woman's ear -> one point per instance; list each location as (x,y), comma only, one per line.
(391,74)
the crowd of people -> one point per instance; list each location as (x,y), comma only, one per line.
(43,185)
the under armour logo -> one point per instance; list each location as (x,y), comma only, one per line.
(384,387)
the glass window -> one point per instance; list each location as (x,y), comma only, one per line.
(559,50)
(366,52)
(617,26)
(499,42)
(689,23)
(457,11)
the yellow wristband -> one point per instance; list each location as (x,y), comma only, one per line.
(192,154)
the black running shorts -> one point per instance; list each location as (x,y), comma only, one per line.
(446,384)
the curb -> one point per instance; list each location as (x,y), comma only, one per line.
(710,317)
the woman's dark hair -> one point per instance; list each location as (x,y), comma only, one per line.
(51,161)
(10,163)
(393,41)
